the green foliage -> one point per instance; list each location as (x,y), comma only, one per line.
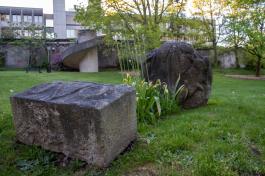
(234,34)
(211,13)
(141,20)
(154,99)
(251,62)
(43,159)
(246,23)
(2,60)
(94,12)
(253,26)
(147,97)
(169,99)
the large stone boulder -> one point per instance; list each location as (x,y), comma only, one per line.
(178,58)
(88,121)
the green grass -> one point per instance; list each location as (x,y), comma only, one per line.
(226,137)
(239,71)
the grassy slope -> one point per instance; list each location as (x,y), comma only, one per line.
(227,137)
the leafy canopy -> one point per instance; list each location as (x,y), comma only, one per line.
(136,19)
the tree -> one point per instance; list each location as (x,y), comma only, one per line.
(235,36)
(34,40)
(139,19)
(211,13)
(253,26)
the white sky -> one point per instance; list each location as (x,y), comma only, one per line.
(47,5)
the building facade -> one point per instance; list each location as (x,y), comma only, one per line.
(20,19)
(59,25)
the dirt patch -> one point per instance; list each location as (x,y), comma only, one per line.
(146,170)
(246,77)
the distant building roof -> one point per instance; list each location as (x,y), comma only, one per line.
(17,10)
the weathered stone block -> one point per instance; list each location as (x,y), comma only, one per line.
(88,121)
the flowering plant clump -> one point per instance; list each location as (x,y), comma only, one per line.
(154,99)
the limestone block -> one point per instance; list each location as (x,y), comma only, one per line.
(88,121)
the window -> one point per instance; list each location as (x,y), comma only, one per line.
(49,23)
(4,17)
(28,19)
(71,33)
(38,20)
(16,18)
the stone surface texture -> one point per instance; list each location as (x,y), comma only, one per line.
(178,58)
(88,121)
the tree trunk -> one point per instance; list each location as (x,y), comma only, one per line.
(215,59)
(237,58)
(258,66)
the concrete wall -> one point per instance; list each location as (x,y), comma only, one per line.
(18,56)
(70,18)
(227,60)
(90,61)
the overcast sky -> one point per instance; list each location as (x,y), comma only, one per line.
(45,4)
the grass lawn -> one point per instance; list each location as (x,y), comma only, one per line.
(226,137)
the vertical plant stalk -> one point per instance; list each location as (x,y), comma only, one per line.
(119,57)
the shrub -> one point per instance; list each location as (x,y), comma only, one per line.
(2,60)
(154,99)
(252,62)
